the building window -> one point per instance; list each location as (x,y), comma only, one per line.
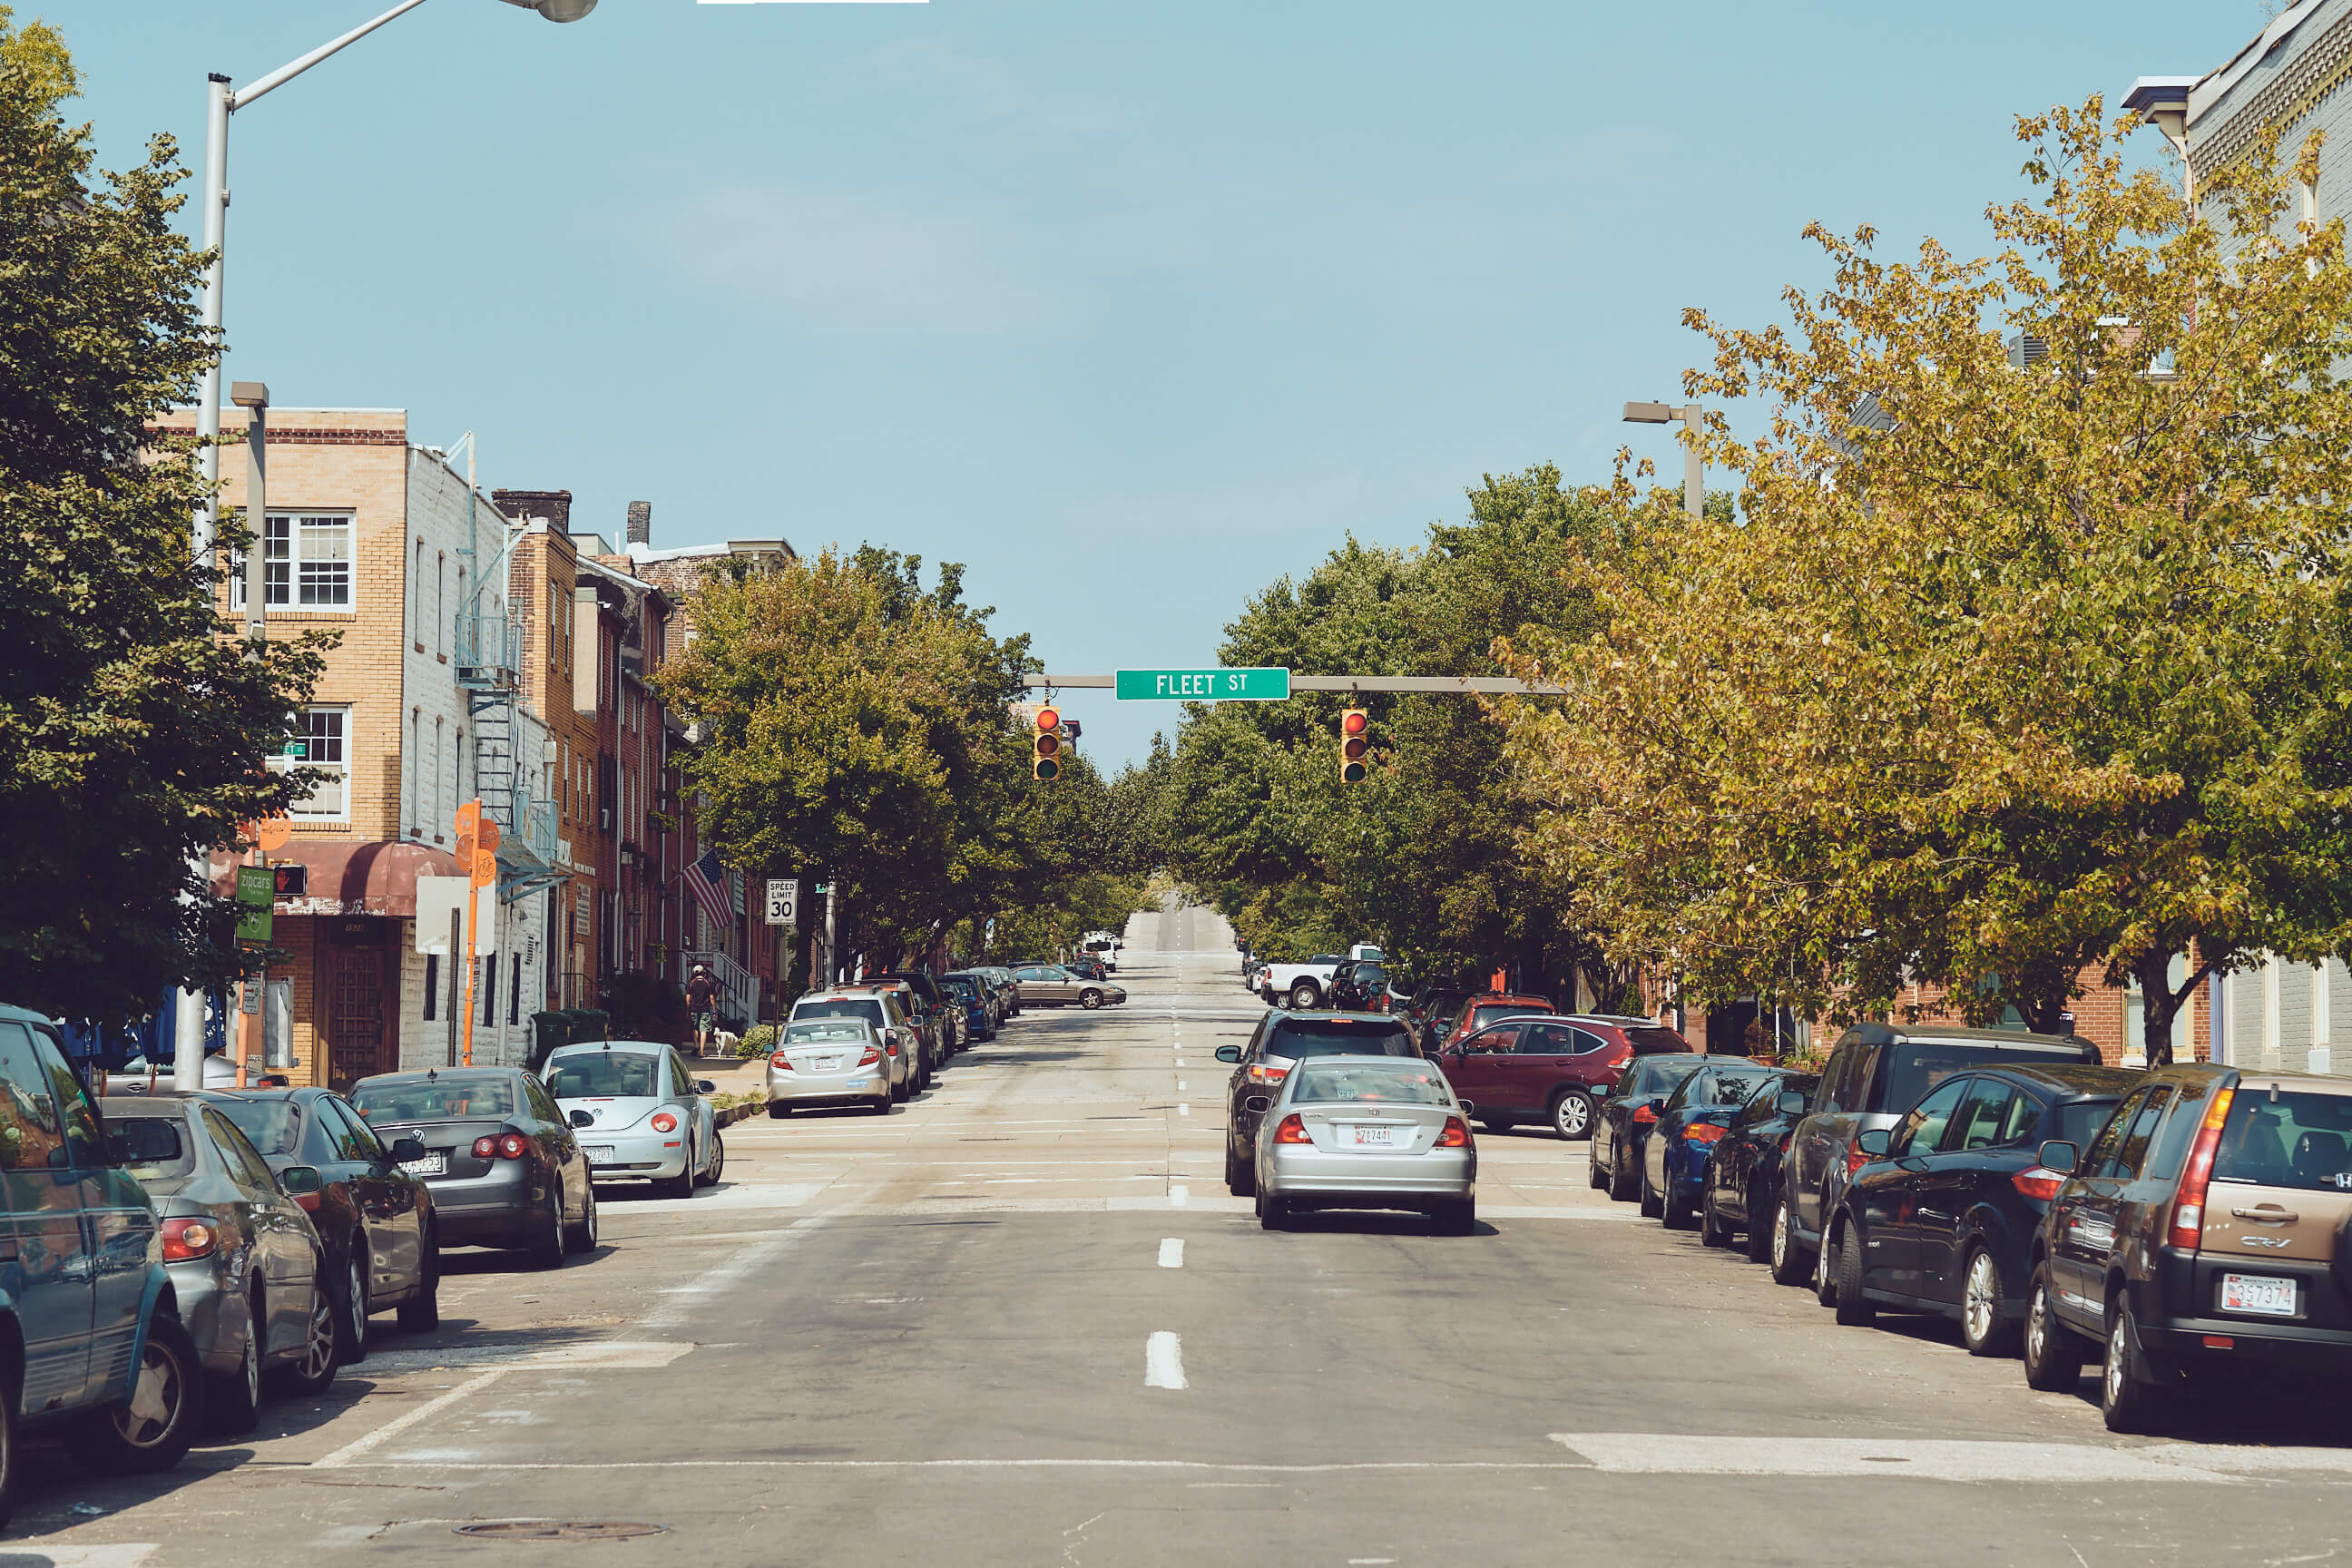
(306,562)
(320,734)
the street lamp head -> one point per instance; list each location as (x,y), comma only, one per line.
(249,393)
(1648,413)
(558,10)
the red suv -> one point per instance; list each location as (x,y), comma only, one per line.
(1554,1069)
(1485,1007)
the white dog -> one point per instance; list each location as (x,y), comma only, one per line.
(725,1042)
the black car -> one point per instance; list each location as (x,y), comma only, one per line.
(1944,1216)
(943,1035)
(1358,985)
(1280,1041)
(375,1220)
(1087,968)
(1743,1180)
(504,1165)
(1622,1127)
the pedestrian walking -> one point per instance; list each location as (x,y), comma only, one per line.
(700,992)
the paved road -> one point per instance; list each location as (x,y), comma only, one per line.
(1020,1322)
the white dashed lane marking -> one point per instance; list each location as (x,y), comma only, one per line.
(1171,1252)
(1163,1360)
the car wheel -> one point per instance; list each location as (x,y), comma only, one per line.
(1458,1216)
(2127,1399)
(1571,1116)
(717,1161)
(1712,1231)
(1595,1176)
(1825,1262)
(1305,994)
(1273,1213)
(548,1250)
(352,1303)
(882,1104)
(1675,1212)
(1852,1311)
(1090,998)
(1652,1206)
(682,1185)
(151,1433)
(421,1313)
(779,1109)
(1622,1184)
(583,1234)
(1243,1181)
(1983,1330)
(1788,1259)
(233,1402)
(1760,1237)
(315,1368)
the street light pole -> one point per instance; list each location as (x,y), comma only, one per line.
(1689,414)
(220,102)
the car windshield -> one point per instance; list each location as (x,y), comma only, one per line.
(620,1075)
(960,988)
(1300,1037)
(155,1148)
(449,1097)
(1654,1041)
(1915,1067)
(863,1007)
(272,1126)
(1653,1076)
(2292,1138)
(1365,1083)
(2077,1122)
(827,1029)
(1717,1086)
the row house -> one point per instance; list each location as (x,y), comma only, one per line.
(382,541)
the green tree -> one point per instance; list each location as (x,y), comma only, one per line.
(133,734)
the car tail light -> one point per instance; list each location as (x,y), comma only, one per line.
(1702,1132)
(486,1147)
(2188,1209)
(1456,1135)
(1292,1130)
(873,1055)
(1855,1158)
(2039,1184)
(1644,1115)
(1261,1073)
(514,1147)
(186,1238)
(665,1123)
(781,1062)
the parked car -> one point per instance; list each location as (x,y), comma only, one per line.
(1551,1068)
(1743,1179)
(1008,991)
(142,1075)
(969,992)
(1623,1125)
(931,1011)
(1367,1132)
(501,1156)
(1087,968)
(1298,986)
(376,1221)
(1431,1013)
(1675,1154)
(2207,1225)
(929,1026)
(1360,986)
(1052,986)
(84,1292)
(901,1042)
(1490,1007)
(1944,1217)
(1282,1040)
(1875,1074)
(646,1118)
(828,1062)
(248,1269)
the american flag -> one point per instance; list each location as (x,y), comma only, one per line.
(705,877)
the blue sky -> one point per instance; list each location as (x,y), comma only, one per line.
(1132,307)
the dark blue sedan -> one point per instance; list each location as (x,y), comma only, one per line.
(966,992)
(1673,1161)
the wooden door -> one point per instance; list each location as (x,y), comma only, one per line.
(357,1016)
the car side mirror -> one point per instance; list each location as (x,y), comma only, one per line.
(299,1181)
(2059,1155)
(704,1085)
(1874,1142)
(1469,1108)
(1793,1102)
(1256,1104)
(581,1119)
(412,1147)
(1229,1053)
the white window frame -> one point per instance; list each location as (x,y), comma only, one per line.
(325,730)
(296,548)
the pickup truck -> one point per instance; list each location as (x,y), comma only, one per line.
(1303,984)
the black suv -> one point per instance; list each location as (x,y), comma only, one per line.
(1877,1073)
(1280,1041)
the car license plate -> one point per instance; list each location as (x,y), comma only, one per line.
(431,1165)
(1375,1137)
(2256,1293)
(828,1063)
(598,1153)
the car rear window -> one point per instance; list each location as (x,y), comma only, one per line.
(1655,1041)
(1299,1038)
(841,1007)
(823,1030)
(445,1099)
(1486,1013)
(621,1075)
(1362,1083)
(2291,1139)
(155,1147)
(1911,1067)
(1719,1086)
(1658,1075)
(272,1126)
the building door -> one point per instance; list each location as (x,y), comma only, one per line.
(356,1016)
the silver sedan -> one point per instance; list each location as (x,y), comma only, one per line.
(828,1061)
(1367,1132)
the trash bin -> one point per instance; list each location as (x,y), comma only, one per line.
(548,1030)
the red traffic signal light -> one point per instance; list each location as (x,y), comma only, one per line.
(1354,743)
(1046,750)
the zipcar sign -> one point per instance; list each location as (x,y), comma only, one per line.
(1215,685)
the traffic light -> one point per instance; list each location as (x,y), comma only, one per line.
(1353,744)
(1045,750)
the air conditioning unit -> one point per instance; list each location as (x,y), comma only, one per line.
(2026,351)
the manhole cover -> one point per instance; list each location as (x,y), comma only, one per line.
(559,1530)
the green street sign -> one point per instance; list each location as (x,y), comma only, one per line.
(253,925)
(1211,685)
(256,887)
(294,750)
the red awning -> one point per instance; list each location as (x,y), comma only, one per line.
(350,876)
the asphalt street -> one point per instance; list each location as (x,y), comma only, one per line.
(1020,1321)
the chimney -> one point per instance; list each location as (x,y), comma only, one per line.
(641,522)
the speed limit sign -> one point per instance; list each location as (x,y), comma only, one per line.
(784,901)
